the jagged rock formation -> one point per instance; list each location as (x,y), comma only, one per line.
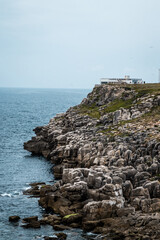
(106,153)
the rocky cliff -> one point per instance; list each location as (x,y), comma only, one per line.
(106,155)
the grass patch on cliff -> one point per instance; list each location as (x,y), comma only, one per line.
(90,110)
(95,111)
(117,104)
(141,89)
(144,89)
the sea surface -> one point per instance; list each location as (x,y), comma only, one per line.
(21,110)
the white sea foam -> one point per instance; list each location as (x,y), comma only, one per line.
(6,195)
(26,188)
(16,193)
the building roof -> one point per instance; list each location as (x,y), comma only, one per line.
(126,79)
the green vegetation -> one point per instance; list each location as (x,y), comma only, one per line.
(144,89)
(68,216)
(90,110)
(117,104)
(141,90)
(96,112)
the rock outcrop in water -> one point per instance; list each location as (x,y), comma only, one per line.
(106,155)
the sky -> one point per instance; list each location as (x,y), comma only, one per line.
(74,43)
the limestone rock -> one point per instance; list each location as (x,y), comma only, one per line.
(106,156)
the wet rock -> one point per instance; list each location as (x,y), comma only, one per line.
(30,219)
(36,147)
(61,227)
(45,189)
(31,222)
(14,218)
(36,184)
(59,205)
(61,236)
(33,191)
(90,225)
(73,218)
(50,238)
(51,219)
(58,170)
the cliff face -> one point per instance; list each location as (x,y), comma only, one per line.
(106,151)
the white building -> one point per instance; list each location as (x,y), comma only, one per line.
(126,79)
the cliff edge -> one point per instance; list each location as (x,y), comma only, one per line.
(106,155)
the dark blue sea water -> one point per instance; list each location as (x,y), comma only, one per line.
(21,110)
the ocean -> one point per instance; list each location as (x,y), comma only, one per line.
(21,110)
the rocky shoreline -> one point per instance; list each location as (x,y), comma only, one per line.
(106,157)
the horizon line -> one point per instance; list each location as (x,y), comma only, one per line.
(44,88)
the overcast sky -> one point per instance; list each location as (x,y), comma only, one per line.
(73,43)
